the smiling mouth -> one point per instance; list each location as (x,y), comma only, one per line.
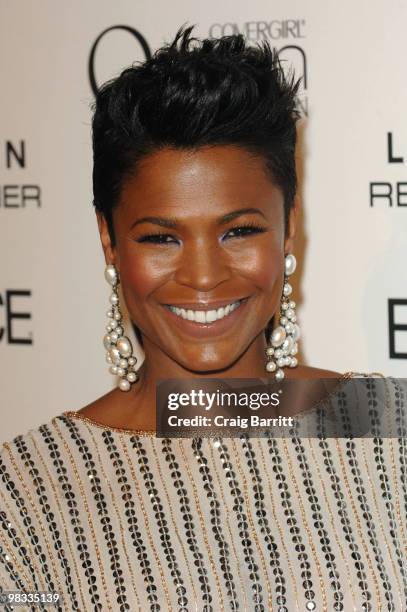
(205,316)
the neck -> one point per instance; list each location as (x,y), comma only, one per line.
(158,365)
(251,364)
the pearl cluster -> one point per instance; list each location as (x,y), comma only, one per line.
(284,338)
(119,348)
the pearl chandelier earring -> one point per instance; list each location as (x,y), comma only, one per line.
(284,338)
(119,348)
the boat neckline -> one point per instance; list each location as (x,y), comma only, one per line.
(77,416)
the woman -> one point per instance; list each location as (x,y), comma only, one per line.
(195,195)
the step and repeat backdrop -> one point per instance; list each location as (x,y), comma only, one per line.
(351,281)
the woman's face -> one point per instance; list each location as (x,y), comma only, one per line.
(203,233)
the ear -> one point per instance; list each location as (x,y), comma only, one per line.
(292,225)
(109,251)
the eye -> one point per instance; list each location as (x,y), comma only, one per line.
(245,230)
(157,238)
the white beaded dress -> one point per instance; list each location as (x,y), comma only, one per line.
(122,520)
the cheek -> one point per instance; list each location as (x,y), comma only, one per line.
(262,264)
(142,274)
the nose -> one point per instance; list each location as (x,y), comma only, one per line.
(203,266)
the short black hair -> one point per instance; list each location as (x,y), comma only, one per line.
(193,93)
(219,91)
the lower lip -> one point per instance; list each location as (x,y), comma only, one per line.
(202,330)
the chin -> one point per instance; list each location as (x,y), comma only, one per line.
(206,367)
(215,370)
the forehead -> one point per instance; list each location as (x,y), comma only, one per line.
(203,179)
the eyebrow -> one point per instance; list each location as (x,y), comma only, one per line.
(172,223)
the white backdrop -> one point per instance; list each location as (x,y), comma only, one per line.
(352,248)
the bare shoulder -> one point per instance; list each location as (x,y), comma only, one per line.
(101,406)
(310,372)
(119,410)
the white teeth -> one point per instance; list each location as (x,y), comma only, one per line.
(211,315)
(199,316)
(205,316)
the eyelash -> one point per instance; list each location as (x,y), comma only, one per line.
(158,238)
